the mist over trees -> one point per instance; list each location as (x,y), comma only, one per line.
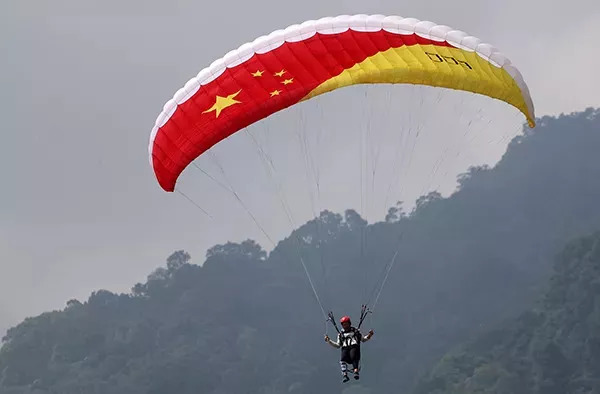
(468,266)
(553,348)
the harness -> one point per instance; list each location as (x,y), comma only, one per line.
(364,311)
(345,338)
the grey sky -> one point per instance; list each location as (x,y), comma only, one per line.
(84,81)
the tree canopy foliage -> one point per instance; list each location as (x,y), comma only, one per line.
(553,348)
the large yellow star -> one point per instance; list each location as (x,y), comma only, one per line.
(288,81)
(258,73)
(223,102)
(280,73)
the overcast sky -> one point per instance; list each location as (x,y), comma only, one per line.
(82,83)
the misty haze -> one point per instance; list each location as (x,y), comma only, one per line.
(448,186)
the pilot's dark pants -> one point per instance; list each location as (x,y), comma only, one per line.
(350,355)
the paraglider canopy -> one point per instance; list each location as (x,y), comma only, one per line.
(303,61)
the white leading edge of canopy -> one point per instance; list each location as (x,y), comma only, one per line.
(334,25)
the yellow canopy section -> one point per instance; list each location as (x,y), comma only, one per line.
(440,66)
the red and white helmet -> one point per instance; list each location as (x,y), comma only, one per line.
(345,319)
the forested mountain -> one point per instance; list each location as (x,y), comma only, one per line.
(246,322)
(552,349)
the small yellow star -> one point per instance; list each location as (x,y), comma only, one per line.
(280,73)
(288,81)
(223,102)
(275,93)
(258,73)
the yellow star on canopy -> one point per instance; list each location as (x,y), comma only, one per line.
(288,81)
(275,93)
(280,73)
(223,102)
(258,73)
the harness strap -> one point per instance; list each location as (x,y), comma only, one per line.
(364,311)
(331,318)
